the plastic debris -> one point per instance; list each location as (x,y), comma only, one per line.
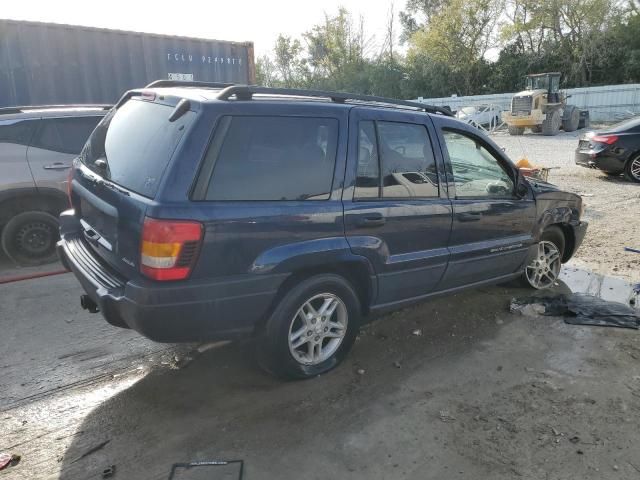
(8,460)
(579,309)
(109,472)
(360,371)
(629,249)
(417,332)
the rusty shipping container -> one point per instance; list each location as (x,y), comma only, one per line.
(44,63)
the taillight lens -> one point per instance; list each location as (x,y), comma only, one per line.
(169,248)
(608,139)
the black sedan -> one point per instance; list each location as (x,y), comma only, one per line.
(614,150)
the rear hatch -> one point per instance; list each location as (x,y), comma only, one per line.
(118,174)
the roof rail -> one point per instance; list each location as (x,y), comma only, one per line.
(26,108)
(246,92)
(187,83)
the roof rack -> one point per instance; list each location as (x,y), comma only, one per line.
(26,108)
(187,83)
(246,92)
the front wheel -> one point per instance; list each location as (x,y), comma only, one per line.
(312,328)
(544,268)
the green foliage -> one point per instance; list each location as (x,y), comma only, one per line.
(592,42)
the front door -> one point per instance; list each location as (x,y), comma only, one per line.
(492,226)
(396,213)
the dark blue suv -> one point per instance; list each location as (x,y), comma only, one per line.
(202,212)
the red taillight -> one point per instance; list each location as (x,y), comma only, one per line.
(169,248)
(148,95)
(608,139)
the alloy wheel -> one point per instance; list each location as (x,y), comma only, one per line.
(544,269)
(635,168)
(318,329)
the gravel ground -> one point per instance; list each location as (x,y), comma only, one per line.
(612,203)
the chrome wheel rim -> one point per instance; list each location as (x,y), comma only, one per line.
(318,329)
(544,269)
(635,168)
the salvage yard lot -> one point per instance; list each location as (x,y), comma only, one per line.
(454,388)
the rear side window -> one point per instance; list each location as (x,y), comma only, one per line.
(17,132)
(64,135)
(407,162)
(274,158)
(137,141)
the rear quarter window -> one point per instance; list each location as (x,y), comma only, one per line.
(137,141)
(274,158)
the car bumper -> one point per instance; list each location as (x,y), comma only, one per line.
(579,232)
(191,311)
(599,160)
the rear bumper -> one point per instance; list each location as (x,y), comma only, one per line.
(599,160)
(190,311)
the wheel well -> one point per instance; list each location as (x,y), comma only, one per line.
(355,272)
(22,202)
(569,240)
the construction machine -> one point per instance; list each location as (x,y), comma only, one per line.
(543,108)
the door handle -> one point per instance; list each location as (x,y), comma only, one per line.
(366,221)
(57,166)
(469,217)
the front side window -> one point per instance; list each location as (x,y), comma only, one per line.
(65,135)
(407,166)
(275,158)
(476,172)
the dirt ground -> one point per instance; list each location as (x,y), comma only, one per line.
(458,387)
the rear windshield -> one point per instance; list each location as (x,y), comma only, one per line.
(137,141)
(631,123)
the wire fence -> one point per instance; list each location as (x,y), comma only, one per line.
(609,103)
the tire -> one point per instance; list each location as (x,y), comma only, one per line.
(30,238)
(513,130)
(571,119)
(536,129)
(551,237)
(277,350)
(632,169)
(551,124)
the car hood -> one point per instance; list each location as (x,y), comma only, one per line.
(548,190)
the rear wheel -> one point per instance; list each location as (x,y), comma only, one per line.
(551,124)
(30,238)
(513,130)
(632,170)
(311,329)
(543,270)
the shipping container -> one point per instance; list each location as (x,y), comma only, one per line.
(44,63)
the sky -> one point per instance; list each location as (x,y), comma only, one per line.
(246,20)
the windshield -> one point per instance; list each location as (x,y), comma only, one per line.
(136,140)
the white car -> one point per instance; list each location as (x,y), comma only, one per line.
(483,115)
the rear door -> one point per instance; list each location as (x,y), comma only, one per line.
(15,135)
(56,142)
(396,212)
(492,226)
(119,173)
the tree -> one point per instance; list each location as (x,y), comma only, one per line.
(460,36)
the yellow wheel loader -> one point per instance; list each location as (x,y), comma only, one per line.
(543,108)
